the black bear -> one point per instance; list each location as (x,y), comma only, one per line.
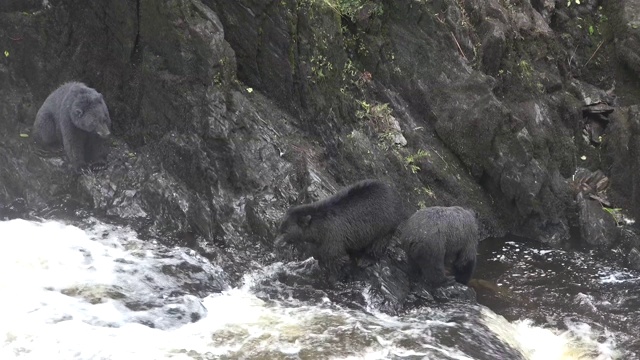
(436,238)
(357,220)
(76,117)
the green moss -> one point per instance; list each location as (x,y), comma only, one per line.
(350,8)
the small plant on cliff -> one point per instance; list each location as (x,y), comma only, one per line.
(320,67)
(351,8)
(526,70)
(426,190)
(616,213)
(379,115)
(411,160)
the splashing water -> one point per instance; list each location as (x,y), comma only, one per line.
(101,293)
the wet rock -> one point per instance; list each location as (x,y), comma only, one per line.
(22,5)
(15,210)
(481,10)
(591,95)
(528,20)
(596,117)
(546,8)
(455,292)
(389,286)
(626,17)
(585,303)
(493,45)
(172,314)
(590,183)
(594,130)
(599,108)
(383,285)
(597,227)
(634,259)
(622,151)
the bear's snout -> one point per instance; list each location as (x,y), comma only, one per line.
(103,131)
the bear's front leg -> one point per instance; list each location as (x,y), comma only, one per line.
(96,151)
(73,142)
(333,257)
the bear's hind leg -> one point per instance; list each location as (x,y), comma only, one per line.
(465,265)
(433,273)
(379,246)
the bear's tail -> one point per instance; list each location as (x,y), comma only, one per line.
(465,264)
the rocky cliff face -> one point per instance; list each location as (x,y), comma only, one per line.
(227,112)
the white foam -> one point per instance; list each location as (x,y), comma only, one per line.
(57,284)
(579,341)
(609,276)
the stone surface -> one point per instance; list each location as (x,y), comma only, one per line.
(597,227)
(622,151)
(626,17)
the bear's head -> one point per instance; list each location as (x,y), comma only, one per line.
(90,113)
(294,227)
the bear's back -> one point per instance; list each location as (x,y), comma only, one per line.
(361,192)
(362,213)
(56,100)
(452,224)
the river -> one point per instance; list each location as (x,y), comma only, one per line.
(99,292)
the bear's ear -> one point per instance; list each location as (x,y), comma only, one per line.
(77,112)
(305,220)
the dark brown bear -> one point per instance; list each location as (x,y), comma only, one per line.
(357,220)
(438,237)
(76,117)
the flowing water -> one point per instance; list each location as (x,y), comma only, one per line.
(101,293)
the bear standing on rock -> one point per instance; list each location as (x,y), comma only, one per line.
(358,219)
(76,117)
(438,237)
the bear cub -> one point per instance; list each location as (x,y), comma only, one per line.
(438,238)
(358,220)
(76,117)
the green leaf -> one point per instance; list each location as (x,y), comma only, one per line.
(612,211)
(23,135)
(6,53)
(591,30)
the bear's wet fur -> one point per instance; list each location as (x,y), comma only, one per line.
(437,238)
(76,117)
(358,220)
